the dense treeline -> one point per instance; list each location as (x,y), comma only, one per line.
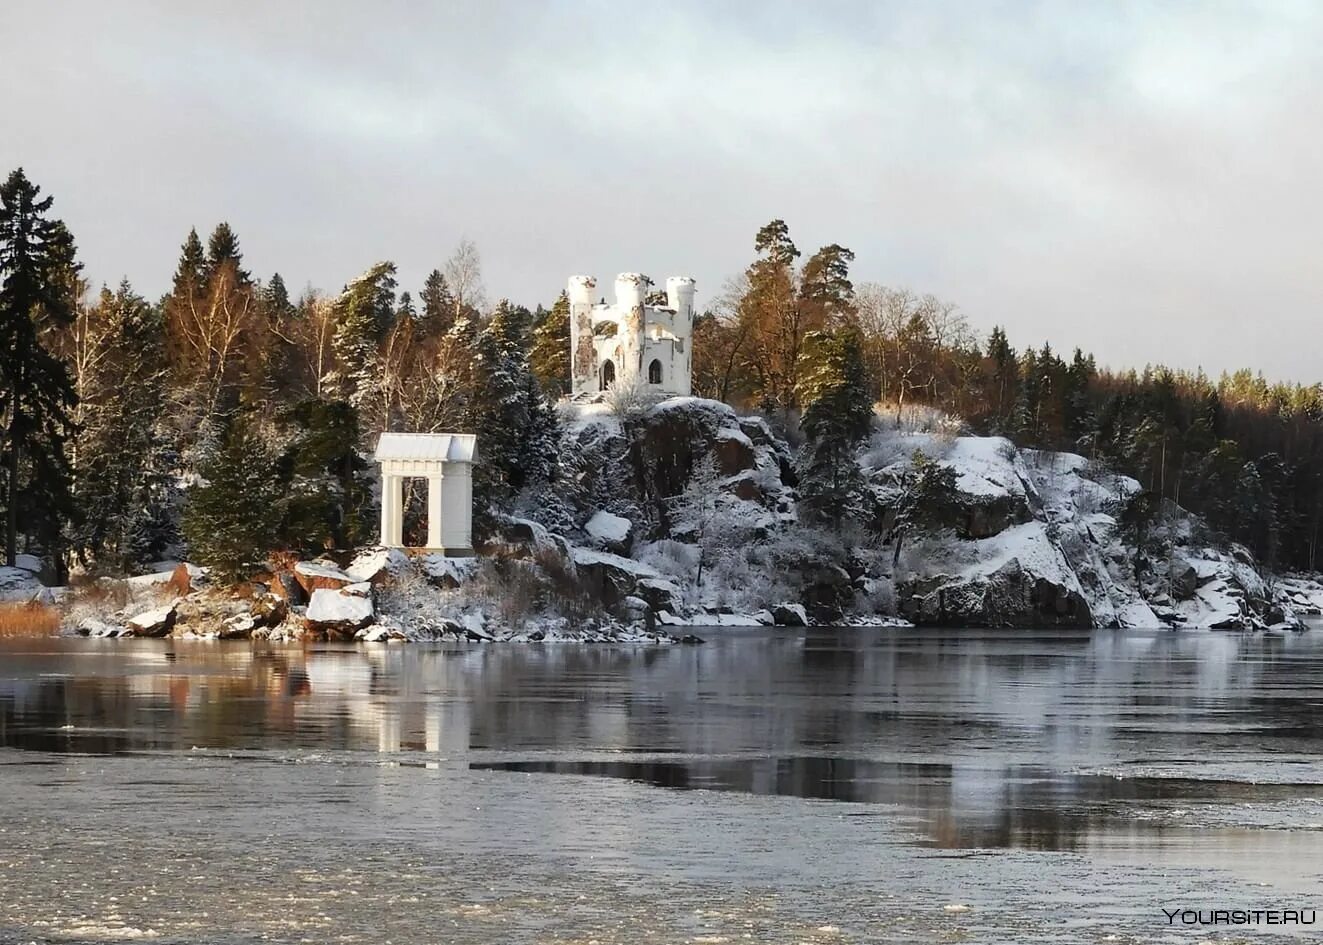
(232,420)
(1244,453)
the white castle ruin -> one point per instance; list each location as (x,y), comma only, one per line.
(631,340)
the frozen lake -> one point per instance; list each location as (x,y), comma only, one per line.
(819,786)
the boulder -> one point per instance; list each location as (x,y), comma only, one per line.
(181,580)
(612,578)
(337,615)
(320,575)
(659,593)
(826,591)
(612,532)
(1019,578)
(153,623)
(1010,596)
(519,539)
(789,615)
(1184,578)
(268,610)
(238,627)
(447,572)
(377,565)
(285,586)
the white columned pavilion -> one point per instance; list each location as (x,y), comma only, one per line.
(445,460)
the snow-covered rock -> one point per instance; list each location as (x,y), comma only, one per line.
(375,565)
(446,571)
(338,614)
(789,615)
(611,532)
(153,623)
(18,584)
(318,575)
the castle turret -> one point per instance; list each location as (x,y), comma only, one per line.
(583,357)
(631,297)
(680,297)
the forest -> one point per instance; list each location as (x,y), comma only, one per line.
(229,421)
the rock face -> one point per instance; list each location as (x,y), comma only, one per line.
(615,579)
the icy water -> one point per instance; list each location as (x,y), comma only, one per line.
(790,787)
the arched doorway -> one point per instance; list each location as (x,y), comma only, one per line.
(654,372)
(608,375)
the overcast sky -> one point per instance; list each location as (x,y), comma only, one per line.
(1141,180)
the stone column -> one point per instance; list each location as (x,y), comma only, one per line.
(392,511)
(434,486)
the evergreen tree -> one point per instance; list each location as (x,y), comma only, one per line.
(550,355)
(123,485)
(191,273)
(233,513)
(363,314)
(1003,379)
(327,484)
(222,248)
(518,427)
(838,413)
(405,308)
(38,275)
(825,285)
(438,304)
(275,300)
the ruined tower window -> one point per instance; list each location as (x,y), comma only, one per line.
(608,375)
(654,372)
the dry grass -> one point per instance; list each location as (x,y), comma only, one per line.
(29,620)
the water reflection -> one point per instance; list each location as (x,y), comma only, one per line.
(986,739)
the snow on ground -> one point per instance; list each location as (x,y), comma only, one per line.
(987,467)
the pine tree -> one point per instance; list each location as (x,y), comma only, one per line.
(550,356)
(233,514)
(275,300)
(363,314)
(222,248)
(123,484)
(518,427)
(191,274)
(837,415)
(825,285)
(438,304)
(326,483)
(39,276)
(405,308)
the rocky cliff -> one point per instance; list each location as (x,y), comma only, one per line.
(684,513)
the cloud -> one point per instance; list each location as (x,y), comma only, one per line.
(1139,180)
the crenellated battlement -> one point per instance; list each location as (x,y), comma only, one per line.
(628,338)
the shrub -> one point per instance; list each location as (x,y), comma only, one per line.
(30,619)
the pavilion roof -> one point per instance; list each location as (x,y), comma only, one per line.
(439,447)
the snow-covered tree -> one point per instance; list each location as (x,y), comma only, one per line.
(233,514)
(123,483)
(38,286)
(550,356)
(518,426)
(364,313)
(833,387)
